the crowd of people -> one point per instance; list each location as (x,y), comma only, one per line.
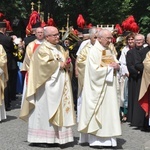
(112,88)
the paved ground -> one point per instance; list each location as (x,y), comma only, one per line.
(13,134)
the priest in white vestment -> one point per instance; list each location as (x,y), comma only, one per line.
(48,106)
(80,64)
(3,80)
(30,49)
(99,121)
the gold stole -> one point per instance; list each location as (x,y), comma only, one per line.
(107,58)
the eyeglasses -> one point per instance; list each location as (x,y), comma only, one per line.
(54,35)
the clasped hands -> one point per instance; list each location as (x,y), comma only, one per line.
(65,65)
(115,65)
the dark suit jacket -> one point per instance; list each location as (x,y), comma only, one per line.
(133,60)
(29,39)
(142,54)
(8,45)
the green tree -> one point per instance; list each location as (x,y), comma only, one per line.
(141,11)
(93,11)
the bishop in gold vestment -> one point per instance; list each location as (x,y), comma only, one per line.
(30,49)
(48,106)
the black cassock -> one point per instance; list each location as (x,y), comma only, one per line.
(134,59)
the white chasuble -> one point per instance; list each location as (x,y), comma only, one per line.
(99,114)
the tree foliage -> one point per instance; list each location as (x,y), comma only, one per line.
(141,11)
(93,11)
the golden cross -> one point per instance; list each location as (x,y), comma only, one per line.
(39,6)
(62,31)
(48,16)
(32,7)
(67,21)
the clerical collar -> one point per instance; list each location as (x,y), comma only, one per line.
(38,41)
(99,45)
(139,48)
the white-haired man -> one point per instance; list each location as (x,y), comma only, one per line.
(99,121)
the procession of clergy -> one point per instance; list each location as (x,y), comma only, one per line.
(112,71)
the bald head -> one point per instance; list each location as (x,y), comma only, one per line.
(50,30)
(104,37)
(51,34)
(104,32)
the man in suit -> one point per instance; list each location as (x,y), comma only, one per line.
(7,43)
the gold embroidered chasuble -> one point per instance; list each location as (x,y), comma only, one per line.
(43,65)
(81,61)
(3,72)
